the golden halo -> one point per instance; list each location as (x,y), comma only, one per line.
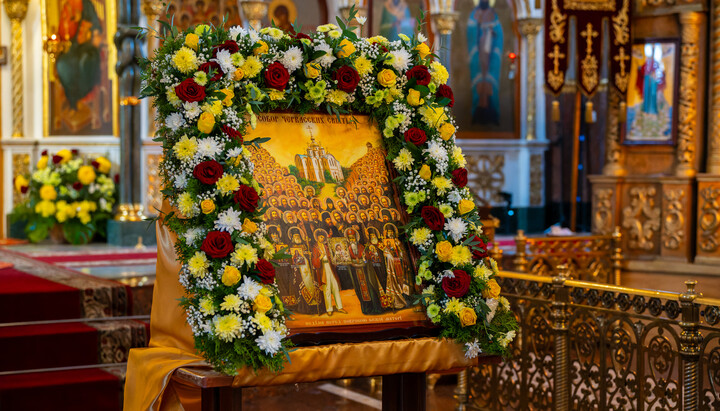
(289,4)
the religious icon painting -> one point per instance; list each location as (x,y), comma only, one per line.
(348,272)
(485,57)
(652,92)
(392,17)
(80,93)
(186,13)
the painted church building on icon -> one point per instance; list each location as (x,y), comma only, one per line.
(313,165)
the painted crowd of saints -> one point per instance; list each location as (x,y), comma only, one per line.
(340,230)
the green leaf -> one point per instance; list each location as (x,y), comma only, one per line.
(37,232)
(78,233)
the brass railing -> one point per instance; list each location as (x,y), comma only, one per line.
(589,346)
(596,258)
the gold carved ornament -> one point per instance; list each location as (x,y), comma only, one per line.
(709,219)
(488,176)
(603,214)
(590,76)
(687,111)
(641,218)
(673,233)
(536,179)
(621,31)
(556,34)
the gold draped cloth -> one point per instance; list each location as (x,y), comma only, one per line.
(149,386)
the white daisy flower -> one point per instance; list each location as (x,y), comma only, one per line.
(292,59)
(456,227)
(209,147)
(174,121)
(270,342)
(224,59)
(328,58)
(192,109)
(228,220)
(249,289)
(400,59)
(422,38)
(436,151)
(472,349)
(236,31)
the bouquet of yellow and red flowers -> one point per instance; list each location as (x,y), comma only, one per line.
(66,193)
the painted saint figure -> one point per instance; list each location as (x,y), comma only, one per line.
(396,19)
(367,285)
(309,301)
(397,285)
(651,78)
(325,273)
(485,49)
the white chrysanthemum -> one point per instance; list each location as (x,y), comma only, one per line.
(234,152)
(174,121)
(421,38)
(292,59)
(456,227)
(181,181)
(270,342)
(192,109)
(327,59)
(436,151)
(254,36)
(192,234)
(224,59)
(236,31)
(249,289)
(472,349)
(507,338)
(400,59)
(228,220)
(493,305)
(209,147)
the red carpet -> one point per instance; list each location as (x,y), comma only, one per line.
(77,390)
(25,297)
(47,346)
(123,258)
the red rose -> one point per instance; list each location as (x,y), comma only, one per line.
(246,198)
(433,218)
(445,91)
(459,177)
(44,153)
(208,172)
(347,78)
(232,133)
(277,76)
(300,36)
(74,151)
(266,271)
(77,185)
(217,244)
(190,91)
(117,179)
(24,189)
(456,286)
(228,45)
(214,67)
(56,159)
(416,136)
(420,74)
(479,250)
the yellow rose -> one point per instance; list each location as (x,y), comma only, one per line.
(239,74)
(261,49)
(86,175)
(467,316)
(229,94)
(312,70)
(230,276)
(20,182)
(423,50)
(191,40)
(206,122)
(465,206)
(249,226)
(263,303)
(414,98)
(47,192)
(207,206)
(42,163)
(346,48)
(446,131)
(386,78)
(104,165)
(492,290)
(444,250)
(65,154)
(425,172)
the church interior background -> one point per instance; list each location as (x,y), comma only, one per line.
(592,135)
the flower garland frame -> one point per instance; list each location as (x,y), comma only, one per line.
(209,84)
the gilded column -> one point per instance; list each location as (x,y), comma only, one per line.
(613,150)
(16,11)
(687,113)
(713,158)
(530,29)
(152,10)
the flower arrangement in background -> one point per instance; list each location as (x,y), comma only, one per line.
(66,193)
(210,83)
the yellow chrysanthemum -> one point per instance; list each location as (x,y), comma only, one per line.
(48,193)
(207,306)
(227,183)
(454,306)
(65,155)
(438,73)
(377,39)
(326,27)
(172,97)
(458,157)
(187,205)
(252,67)
(185,60)
(198,264)
(191,40)
(104,165)
(404,160)
(461,255)
(42,163)
(276,95)
(202,29)
(433,115)
(245,254)
(263,321)
(442,184)
(231,303)
(420,235)
(64,211)
(335,34)
(185,148)
(86,175)
(227,326)
(338,97)
(363,65)
(45,208)
(482,272)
